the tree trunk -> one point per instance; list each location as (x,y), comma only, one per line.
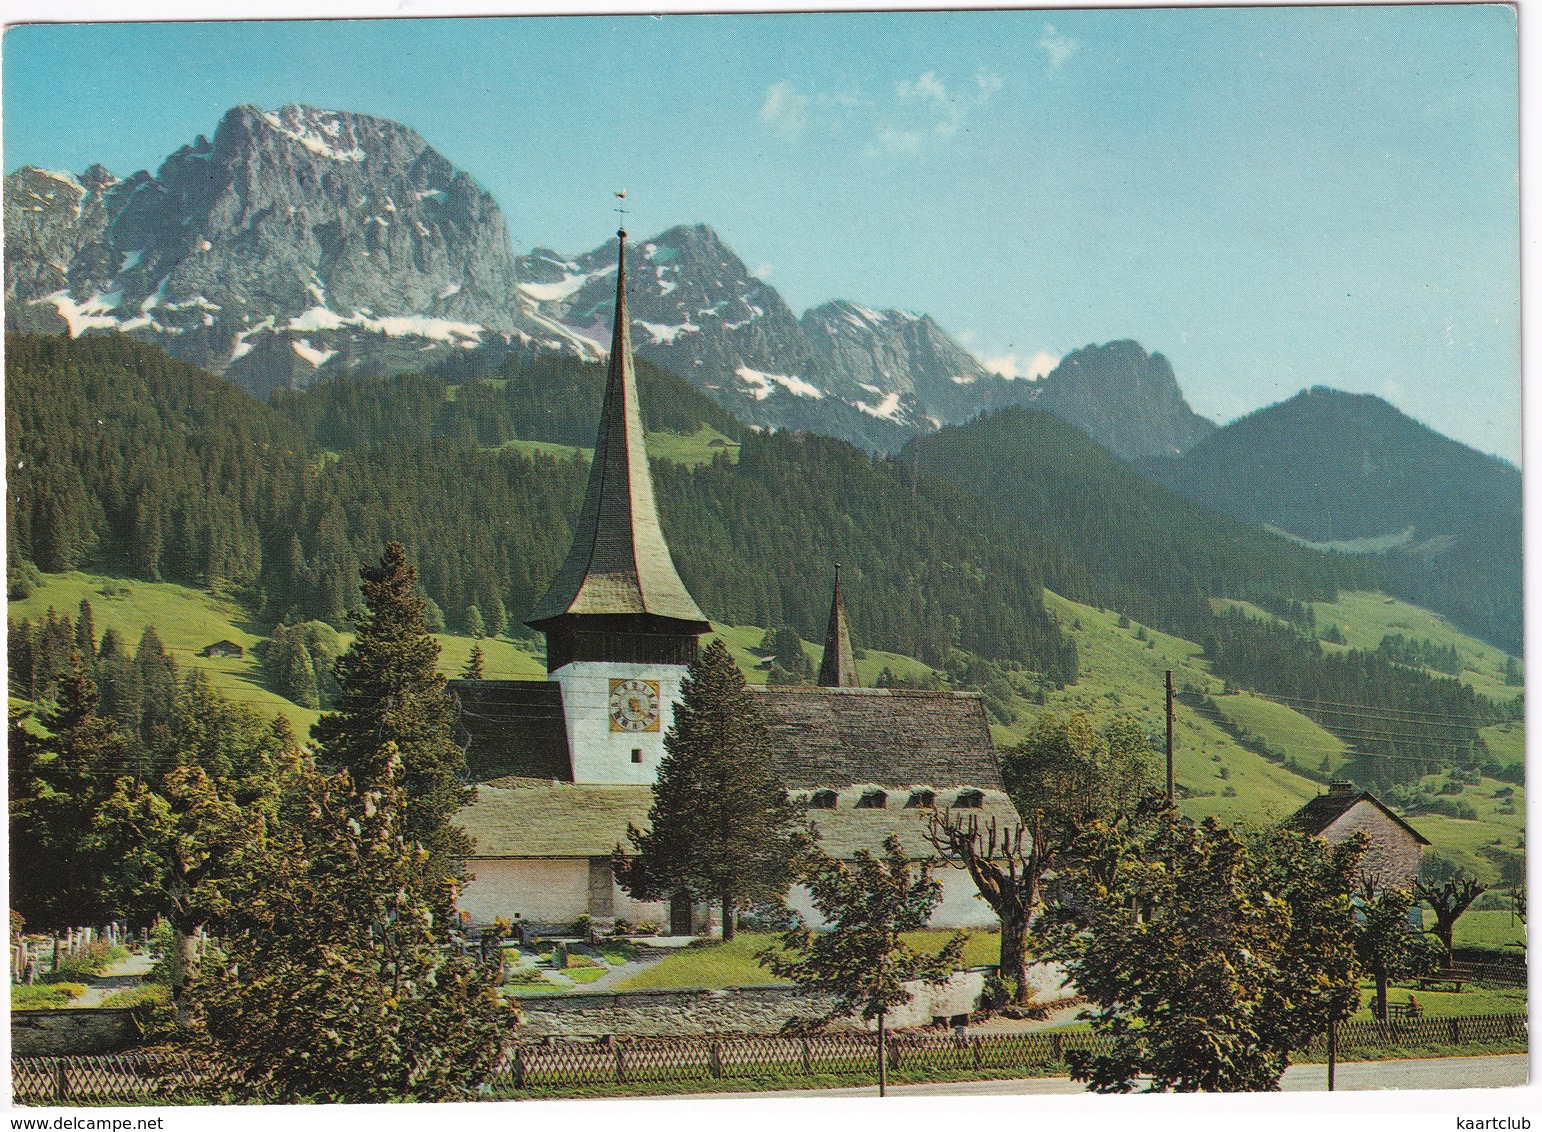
(728,917)
(183,962)
(1014,957)
(1445,930)
(883,1056)
(1381,991)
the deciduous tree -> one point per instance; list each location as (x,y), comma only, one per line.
(860,957)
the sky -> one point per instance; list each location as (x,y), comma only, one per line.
(1274,198)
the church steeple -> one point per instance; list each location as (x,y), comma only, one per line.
(838,668)
(618,596)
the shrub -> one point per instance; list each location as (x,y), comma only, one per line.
(154,1015)
(87,963)
(45,996)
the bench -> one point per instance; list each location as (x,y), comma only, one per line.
(1399,1010)
(1454,975)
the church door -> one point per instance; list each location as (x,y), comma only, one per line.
(680,914)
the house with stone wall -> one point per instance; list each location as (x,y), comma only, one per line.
(1396,848)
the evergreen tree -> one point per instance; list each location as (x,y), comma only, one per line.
(721,825)
(57,881)
(474,623)
(389,691)
(85,632)
(473,669)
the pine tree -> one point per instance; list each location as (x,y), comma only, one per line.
(721,824)
(58,882)
(389,691)
(473,669)
(474,623)
(85,632)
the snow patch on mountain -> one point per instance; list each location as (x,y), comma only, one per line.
(762,384)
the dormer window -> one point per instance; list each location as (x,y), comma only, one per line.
(921,800)
(873,800)
(822,800)
(969,800)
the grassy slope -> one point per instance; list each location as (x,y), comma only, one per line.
(189,619)
(673,446)
(1121,676)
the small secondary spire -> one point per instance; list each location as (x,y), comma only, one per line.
(838,667)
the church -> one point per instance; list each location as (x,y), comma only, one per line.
(563,765)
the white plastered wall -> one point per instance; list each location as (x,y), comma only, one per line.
(599,754)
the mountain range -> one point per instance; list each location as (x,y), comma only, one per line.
(302,244)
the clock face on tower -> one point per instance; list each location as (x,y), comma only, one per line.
(634,705)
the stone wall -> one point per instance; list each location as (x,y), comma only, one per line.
(739,1010)
(55,1033)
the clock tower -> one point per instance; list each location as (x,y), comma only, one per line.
(620,625)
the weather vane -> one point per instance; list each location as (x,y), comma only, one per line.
(621,208)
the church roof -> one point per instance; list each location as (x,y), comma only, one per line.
(524,818)
(836,737)
(619,562)
(514,727)
(838,667)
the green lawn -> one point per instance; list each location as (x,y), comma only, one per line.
(1495,930)
(1284,729)
(716,964)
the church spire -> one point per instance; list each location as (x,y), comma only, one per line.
(838,668)
(619,564)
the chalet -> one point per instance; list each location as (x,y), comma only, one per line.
(565,764)
(1396,847)
(221,650)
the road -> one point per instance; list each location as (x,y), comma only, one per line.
(1423,1073)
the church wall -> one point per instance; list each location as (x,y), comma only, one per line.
(600,754)
(541,891)
(553,891)
(961,906)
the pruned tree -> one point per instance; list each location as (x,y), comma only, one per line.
(721,824)
(860,957)
(1449,899)
(1006,866)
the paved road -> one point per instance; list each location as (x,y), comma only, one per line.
(1425,1073)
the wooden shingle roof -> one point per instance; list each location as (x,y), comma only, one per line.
(838,737)
(1325,809)
(515,818)
(514,727)
(618,562)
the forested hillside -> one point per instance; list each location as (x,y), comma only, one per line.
(1442,520)
(121,455)
(1144,549)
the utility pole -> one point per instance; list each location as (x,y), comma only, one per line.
(1170,786)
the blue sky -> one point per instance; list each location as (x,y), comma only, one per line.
(1273,198)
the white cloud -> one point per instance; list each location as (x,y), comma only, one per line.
(1012,367)
(785,110)
(1057,47)
(920,108)
(763,272)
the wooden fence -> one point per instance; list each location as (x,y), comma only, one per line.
(554,1065)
